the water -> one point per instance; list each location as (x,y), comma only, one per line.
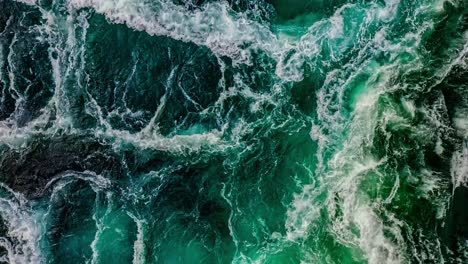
(241,131)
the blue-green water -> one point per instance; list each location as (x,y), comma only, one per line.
(240,131)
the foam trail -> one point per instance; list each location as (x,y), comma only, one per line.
(225,33)
(361,61)
(100,226)
(459,167)
(138,245)
(162,102)
(212,26)
(349,166)
(23,229)
(303,212)
(28,2)
(459,163)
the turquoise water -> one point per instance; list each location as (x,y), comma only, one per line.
(241,131)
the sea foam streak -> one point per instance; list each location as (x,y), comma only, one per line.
(23,229)
(364,102)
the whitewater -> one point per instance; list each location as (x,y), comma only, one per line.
(240,131)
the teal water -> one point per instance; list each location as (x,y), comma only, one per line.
(240,131)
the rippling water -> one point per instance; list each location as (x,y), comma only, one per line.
(240,131)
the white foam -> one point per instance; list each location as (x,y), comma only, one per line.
(459,166)
(430,183)
(372,239)
(100,226)
(359,224)
(302,213)
(162,103)
(233,35)
(409,106)
(389,12)
(22,226)
(27,2)
(138,245)
(460,121)
(223,31)
(97,181)
(214,26)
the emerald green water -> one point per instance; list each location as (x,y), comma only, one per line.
(240,131)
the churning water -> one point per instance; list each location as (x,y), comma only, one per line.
(240,131)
